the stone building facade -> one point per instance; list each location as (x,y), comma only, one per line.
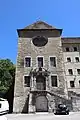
(44,71)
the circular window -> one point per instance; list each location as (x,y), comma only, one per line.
(40,41)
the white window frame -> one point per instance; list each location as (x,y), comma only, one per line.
(24,61)
(56,61)
(37,61)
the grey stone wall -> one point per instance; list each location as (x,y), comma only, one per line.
(26,48)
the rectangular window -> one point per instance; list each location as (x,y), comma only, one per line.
(70,71)
(54,81)
(77,59)
(27,81)
(78,71)
(72,84)
(28,62)
(79,83)
(67,49)
(75,48)
(68,59)
(0,105)
(53,61)
(40,61)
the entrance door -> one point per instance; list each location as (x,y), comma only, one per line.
(41,104)
(40,83)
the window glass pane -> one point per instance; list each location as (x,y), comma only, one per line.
(27,81)
(77,59)
(79,83)
(75,48)
(78,71)
(70,72)
(67,49)
(27,61)
(53,61)
(40,61)
(71,83)
(54,81)
(68,59)
(0,105)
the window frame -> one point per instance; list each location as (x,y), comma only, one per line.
(25,61)
(78,72)
(74,49)
(71,71)
(73,84)
(25,85)
(55,61)
(79,83)
(56,81)
(77,60)
(68,49)
(68,59)
(37,61)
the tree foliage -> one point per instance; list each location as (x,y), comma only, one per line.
(7,74)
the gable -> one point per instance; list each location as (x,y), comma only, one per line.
(39,25)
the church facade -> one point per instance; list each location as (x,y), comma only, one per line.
(47,70)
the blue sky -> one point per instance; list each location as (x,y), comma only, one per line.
(15,14)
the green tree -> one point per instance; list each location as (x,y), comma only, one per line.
(7,74)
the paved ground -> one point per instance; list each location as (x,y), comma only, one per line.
(43,116)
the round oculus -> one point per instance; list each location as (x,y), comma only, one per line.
(39,41)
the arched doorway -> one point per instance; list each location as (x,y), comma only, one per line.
(41,104)
(40,82)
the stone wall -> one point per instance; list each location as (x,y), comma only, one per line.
(27,48)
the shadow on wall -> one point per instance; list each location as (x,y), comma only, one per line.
(25,109)
(9,95)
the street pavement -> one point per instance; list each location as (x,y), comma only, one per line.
(44,116)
